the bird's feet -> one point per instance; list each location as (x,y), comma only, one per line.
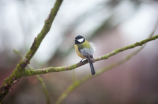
(91,59)
(82,61)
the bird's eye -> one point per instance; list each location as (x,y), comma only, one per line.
(80,40)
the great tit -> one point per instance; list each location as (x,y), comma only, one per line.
(85,50)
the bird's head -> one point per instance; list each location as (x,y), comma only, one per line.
(79,39)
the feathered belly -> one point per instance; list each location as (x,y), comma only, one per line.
(78,52)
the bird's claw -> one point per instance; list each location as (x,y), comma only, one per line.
(81,61)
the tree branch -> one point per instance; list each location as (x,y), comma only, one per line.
(19,70)
(44,88)
(74,66)
(81,81)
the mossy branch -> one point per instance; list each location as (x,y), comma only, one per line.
(19,70)
(74,66)
(81,81)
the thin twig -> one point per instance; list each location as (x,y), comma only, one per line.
(74,76)
(44,88)
(39,79)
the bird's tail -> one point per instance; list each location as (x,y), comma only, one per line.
(92,67)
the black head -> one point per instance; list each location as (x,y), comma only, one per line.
(79,39)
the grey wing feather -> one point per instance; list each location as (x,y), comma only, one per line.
(88,52)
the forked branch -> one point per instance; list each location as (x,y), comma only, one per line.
(19,70)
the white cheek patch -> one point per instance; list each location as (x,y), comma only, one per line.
(80,40)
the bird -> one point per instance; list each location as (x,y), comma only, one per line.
(85,50)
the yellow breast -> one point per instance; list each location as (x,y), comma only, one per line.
(78,52)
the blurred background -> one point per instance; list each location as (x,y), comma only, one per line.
(109,24)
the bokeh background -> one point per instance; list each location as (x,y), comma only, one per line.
(109,24)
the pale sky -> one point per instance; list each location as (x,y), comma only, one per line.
(28,19)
